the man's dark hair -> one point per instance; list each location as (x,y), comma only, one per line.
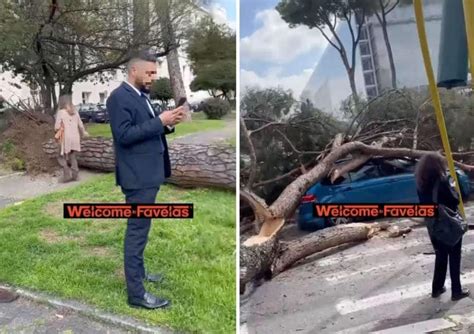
(143,55)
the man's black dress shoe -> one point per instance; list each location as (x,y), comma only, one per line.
(460,295)
(148,301)
(153,278)
(436,294)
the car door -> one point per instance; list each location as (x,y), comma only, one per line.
(399,182)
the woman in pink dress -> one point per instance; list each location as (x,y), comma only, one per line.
(72,128)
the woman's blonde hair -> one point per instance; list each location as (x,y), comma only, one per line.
(65,102)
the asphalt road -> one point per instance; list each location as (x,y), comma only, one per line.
(377,285)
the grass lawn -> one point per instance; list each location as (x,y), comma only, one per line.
(199,123)
(82,259)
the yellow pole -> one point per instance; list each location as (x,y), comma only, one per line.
(469,22)
(420,24)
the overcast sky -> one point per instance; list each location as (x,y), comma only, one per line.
(271,53)
(224,11)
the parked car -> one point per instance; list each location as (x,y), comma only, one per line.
(99,114)
(196,106)
(158,107)
(85,112)
(378,181)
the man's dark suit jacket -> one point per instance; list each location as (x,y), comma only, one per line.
(140,160)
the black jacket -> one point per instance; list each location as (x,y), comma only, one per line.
(141,161)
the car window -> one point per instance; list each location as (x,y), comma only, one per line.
(340,180)
(367,172)
(388,169)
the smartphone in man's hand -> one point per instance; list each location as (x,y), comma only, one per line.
(184,103)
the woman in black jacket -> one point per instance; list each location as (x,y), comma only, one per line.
(430,169)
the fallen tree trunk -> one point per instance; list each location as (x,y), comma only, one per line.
(271,218)
(192,165)
(271,257)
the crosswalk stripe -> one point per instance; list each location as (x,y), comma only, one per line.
(426,326)
(347,306)
(335,259)
(421,259)
(338,258)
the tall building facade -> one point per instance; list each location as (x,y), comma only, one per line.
(328,86)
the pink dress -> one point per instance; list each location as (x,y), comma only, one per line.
(73,129)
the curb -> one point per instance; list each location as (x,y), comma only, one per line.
(123,322)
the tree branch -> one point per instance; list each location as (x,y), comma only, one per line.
(253,156)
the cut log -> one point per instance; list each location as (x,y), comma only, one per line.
(270,257)
(192,165)
(256,261)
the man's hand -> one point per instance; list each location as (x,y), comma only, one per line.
(172,117)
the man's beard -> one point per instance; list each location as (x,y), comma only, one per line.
(142,88)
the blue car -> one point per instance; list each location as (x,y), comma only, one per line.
(379,180)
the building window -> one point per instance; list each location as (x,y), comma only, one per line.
(102,97)
(364,48)
(366,64)
(363,33)
(369,79)
(371,92)
(85,97)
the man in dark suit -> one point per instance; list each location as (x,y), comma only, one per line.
(141,165)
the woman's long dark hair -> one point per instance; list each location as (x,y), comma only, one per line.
(430,168)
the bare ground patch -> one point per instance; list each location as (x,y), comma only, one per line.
(53,237)
(120,273)
(99,251)
(55,209)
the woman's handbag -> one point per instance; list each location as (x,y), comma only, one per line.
(59,136)
(60,133)
(449,226)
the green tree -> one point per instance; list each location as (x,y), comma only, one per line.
(212,52)
(327,15)
(286,135)
(54,43)
(161,90)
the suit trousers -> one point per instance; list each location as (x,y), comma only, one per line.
(136,238)
(443,253)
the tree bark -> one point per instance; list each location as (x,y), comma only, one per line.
(383,22)
(176,78)
(46,99)
(191,165)
(268,259)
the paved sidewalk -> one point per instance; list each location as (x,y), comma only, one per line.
(25,316)
(16,187)
(208,137)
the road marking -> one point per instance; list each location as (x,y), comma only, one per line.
(370,252)
(426,326)
(244,329)
(420,259)
(343,257)
(347,306)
